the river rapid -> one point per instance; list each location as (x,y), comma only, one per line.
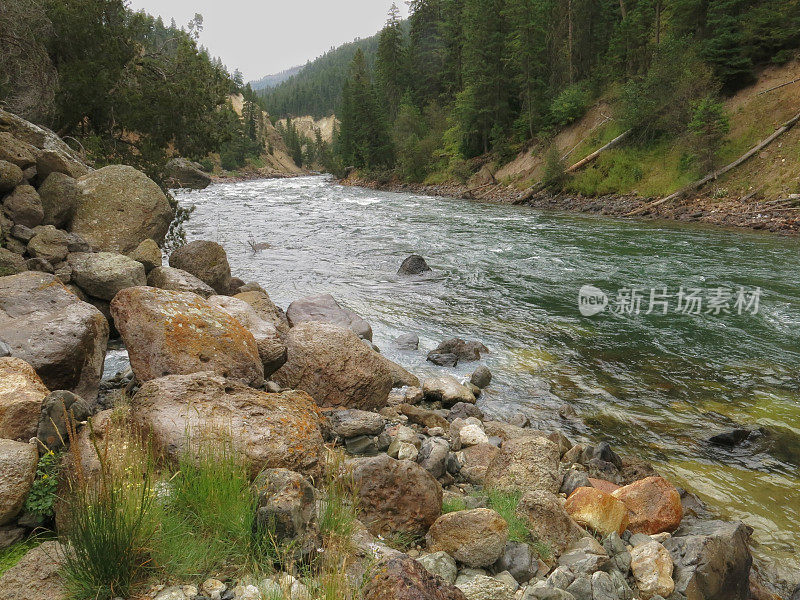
(653,385)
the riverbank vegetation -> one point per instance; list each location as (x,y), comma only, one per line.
(468,83)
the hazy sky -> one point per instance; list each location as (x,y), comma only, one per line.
(263,37)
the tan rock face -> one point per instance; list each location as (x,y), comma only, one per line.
(271,430)
(118,207)
(653,503)
(205,260)
(270,347)
(170,333)
(177,280)
(21,396)
(49,327)
(403,578)
(476,537)
(396,495)
(524,464)
(652,568)
(597,510)
(266,309)
(17,470)
(333,365)
(36,576)
(548,520)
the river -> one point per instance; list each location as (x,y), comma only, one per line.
(653,385)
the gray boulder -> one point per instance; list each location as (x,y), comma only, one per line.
(17,470)
(481,377)
(118,207)
(407,341)
(287,508)
(59,409)
(48,326)
(170,278)
(59,195)
(349,423)
(325,308)
(103,274)
(463,350)
(49,243)
(23,206)
(183,173)
(205,260)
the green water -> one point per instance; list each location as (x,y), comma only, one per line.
(653,385)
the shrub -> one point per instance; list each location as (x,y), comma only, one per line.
(42,496)
(570,105)
(110,525)
(554,172)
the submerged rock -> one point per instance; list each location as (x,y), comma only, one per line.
(413,265)
(461,349)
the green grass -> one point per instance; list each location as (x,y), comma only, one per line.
(339,508)
(506,503)
(453,505)
(207,518)
(13,554)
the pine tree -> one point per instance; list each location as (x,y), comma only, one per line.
(425,55)
(390,62)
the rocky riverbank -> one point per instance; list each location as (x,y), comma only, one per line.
(443,502)
(775,217)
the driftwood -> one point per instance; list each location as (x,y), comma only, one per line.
(596,153)
(711,176)
(777,87)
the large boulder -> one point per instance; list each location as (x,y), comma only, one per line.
(183,173)
(548,521)
(48,326)
(270,347)
(49,243)
(524,464)
(401,377)
(17,471)
(403,578)
(11,263)
(23,206)
(475,537)
(712,560)
(21,394)
(170,333)
(270,430)
(205,260)
(266,309)
(59,195)
(325,308)
(10,176)
(597,510)
(653,503)
(37,576)
(396,496)
(118,207)
(170,278)
(103,274)
(333,365)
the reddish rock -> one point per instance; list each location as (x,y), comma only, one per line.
(597,510)
(403,578)
(653,503)
(396,495)
(603,485)
(172,333)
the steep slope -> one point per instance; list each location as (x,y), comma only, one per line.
(270,81)
(308,126)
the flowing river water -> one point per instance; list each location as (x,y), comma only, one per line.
(653,385)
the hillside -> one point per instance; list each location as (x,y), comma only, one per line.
(317,88)
(270,81)
(307,126)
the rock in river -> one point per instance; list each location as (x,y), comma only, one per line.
(169,333)
(48,326)
(205,260)
(413,265)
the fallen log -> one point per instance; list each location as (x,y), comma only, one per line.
(716,174)
(596,153)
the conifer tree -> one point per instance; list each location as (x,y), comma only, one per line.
(390,62)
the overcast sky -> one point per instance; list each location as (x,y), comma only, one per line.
(268,36)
